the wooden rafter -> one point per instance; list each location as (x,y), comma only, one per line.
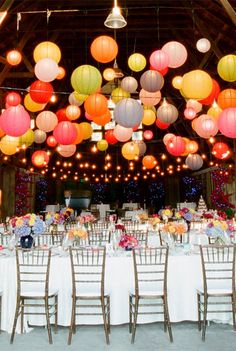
(229,9)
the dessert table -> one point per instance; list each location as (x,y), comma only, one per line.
(184,277)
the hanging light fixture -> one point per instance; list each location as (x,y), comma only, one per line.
(115,20)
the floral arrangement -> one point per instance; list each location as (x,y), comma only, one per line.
(52,218)
(226,213)
(128,242)
(30,224)
(166,213)
(68,213)
(120,226)
(77,233)
(142,217)
(86,219)
(187,213)
(175,228)
(207,215)
(154,220)
(219,228)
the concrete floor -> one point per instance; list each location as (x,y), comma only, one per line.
(148,337)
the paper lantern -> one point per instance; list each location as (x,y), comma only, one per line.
(206,126)
(86,79)
(41,92)
(148,135)
(159,59)
(167,138)
(79,130)
(149,117)
(40,158)
(14,57)
(61,73)
(47,49)
(142,147)
(227,68)
(151,81)
(13,99)
(73,112)
(196,84)
(110,137)
(103,119)
(130,150)
(176,146)
(227,122)
(214,111)
(149,161)
(9,144)
(102,145)
(227,98)
(176,52)
(46,121)
(31,105)
(1,133)
(27,139)
(118,94)
(129,84)
(196,105)
(194,161)
(191,147)
(189,113)
(66,150)
(109,74)
(122,134)
(161,125)
(213,95)
(221,151)
(177,82)
(104,49)
(167,113)
(87,130)
(137,62)
(65,133)
(15,121)
(149,98)
(73,101)
(203,45)
(128,113)
(46,70)
(96,105)
(185,153)
(61,115)
(51,141)
(39,136)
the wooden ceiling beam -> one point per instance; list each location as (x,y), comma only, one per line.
(229,9)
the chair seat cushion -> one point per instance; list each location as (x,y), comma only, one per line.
(39,293)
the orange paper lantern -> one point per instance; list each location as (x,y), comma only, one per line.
(96,105)
(104,49)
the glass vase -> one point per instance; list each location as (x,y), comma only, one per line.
(26,242)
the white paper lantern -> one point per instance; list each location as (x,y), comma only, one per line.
(167,113)
(122,134)
(128,113)
(129,84)
(151,81)
(203,45)
(39,136)
(194,161)
(46,70)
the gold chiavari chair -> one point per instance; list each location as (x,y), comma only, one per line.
(99,237)
(140,235)
(5,239)
(33,267)
(88,271)
(57,237)
(150,273)
(99,225)
(43,240)
(218,270)
(0,310)
(131,225)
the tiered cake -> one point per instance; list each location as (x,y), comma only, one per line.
(201,205)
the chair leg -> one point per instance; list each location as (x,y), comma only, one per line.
(204,319)
(72,323)
(234,310)
(108,315)
(135,319)
(130,314)
(0,314)
(48,321)
(105,320)
(165,316)
(199,311)
(22,317)
(56,314)
(15,320)
(168,319)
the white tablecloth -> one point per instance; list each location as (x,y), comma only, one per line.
(134,214)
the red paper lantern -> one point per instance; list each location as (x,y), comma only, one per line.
(110,137)
(40,158)
(213,95)
(148,134)
(65,133)
(161,124)
(96,105)
(221,151)
(15,121)
(149,161)
(13,99)
(41,92)
(51,141)
(176,146)
(61,115)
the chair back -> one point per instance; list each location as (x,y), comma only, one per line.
(131,225)
(140,235)
(45,239)
(218,266)
(99,237)
(5,239)
(99,225)
(88,269)
(150,269)
(57,237)
(33,268)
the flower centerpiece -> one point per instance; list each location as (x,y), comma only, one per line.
(77,234)
(174,228)
(54,219)
(86,220)
(26,227)
(220,230)
(154,220)
(128,242)
(188,214)
(166,213)
(142,217)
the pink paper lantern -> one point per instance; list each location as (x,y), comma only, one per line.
(148,134)
(167,138)
(66,150)
(15,121)
(176,146)
(176,52)
(46,121)
(65,133)
(122,134)
(150,99)
(227,122)
(13,99)
(206,126)
(189,113)
(159,60)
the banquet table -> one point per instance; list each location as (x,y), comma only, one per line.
(184,277)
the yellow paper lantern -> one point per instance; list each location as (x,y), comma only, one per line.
(9,144)
(149,117)
(227,68)
(47,49)
(137,62)
(102,145)
(177,82)
(86,79)
(119,94)
(196,84)
(87,130)
(215,111)
(109,74)
(31,105)
(27,138)
(130,150)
